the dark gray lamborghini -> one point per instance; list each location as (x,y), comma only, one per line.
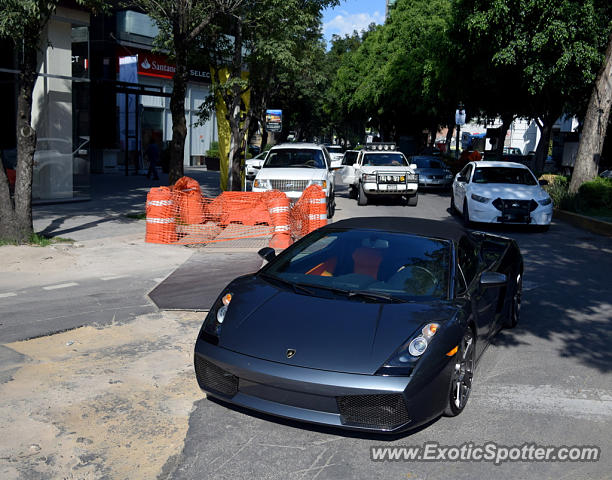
(369,324)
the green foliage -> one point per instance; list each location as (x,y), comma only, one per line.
(597,193)
(213,151)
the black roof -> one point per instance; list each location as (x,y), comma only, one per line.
(444,229)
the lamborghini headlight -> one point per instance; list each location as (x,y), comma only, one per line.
(215,318)
(404,359)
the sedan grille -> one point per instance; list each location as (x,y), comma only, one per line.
(518,205)
(289,185)
(384,412)
(215,379)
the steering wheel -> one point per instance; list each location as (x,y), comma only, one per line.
(310,163)
(434,279)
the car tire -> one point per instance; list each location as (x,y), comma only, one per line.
(462,375)
(352,193)
(453,207)
(514,314)
(466,214)
(331,205)
(362,198)
(413,200)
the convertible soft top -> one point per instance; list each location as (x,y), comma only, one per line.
(447,230)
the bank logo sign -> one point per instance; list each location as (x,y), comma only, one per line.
(153,65)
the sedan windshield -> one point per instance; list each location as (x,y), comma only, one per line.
(366,264)
(384,160)
(425,162)
(515,176)
(295,158)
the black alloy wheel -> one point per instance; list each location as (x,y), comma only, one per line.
(463,373)
(515,307)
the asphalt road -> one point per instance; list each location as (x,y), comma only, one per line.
(549,382)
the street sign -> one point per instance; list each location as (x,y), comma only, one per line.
(274,120)
(460,116)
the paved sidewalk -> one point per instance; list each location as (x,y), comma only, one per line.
(101,278)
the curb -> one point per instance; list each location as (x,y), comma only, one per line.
(587,223)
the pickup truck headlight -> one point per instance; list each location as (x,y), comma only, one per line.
(480,199)
(545,201)
(404,359)
(262,184)
(368,178)
(320,183)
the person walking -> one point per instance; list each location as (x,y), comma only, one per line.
(152,154)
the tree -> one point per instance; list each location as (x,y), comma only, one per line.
(182,23)
(266,38)
(542,55)
(595,125)
(23,22)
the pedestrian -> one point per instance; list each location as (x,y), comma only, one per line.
(152,154)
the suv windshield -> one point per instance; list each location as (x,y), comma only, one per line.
(360,262)
(515,176)
(384,160)
(295,158)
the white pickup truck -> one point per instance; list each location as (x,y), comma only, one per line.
(381,170)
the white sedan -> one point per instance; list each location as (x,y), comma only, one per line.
(500,192)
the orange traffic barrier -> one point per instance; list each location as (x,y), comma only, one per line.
(161,224)
(317,216)
(181,215)
(188,197)
(279,213)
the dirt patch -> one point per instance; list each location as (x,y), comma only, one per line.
(100,403)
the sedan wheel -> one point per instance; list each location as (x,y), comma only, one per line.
(331,205)
(461,381)
(453,207)
(466,214)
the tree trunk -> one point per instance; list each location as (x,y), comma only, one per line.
(507,119)
(177,108)
(234,112)
(16,216)
(544,144)
(595,123)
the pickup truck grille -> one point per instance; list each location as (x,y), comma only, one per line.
(289,185)
(393,177)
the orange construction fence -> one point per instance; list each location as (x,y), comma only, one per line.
(182,215)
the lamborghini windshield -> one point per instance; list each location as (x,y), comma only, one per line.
(361,262)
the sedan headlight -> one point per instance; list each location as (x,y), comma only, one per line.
(368,177)
(262,184)
(404,359)
(215,318)
(320,183)
(545,201)
(480,199)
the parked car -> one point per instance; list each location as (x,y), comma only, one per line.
(372,324)
(292,167)
(432,171)
(336,153)
(500,192)
(252,165)
(381,170)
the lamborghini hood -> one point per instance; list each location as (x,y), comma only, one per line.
(338,334)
